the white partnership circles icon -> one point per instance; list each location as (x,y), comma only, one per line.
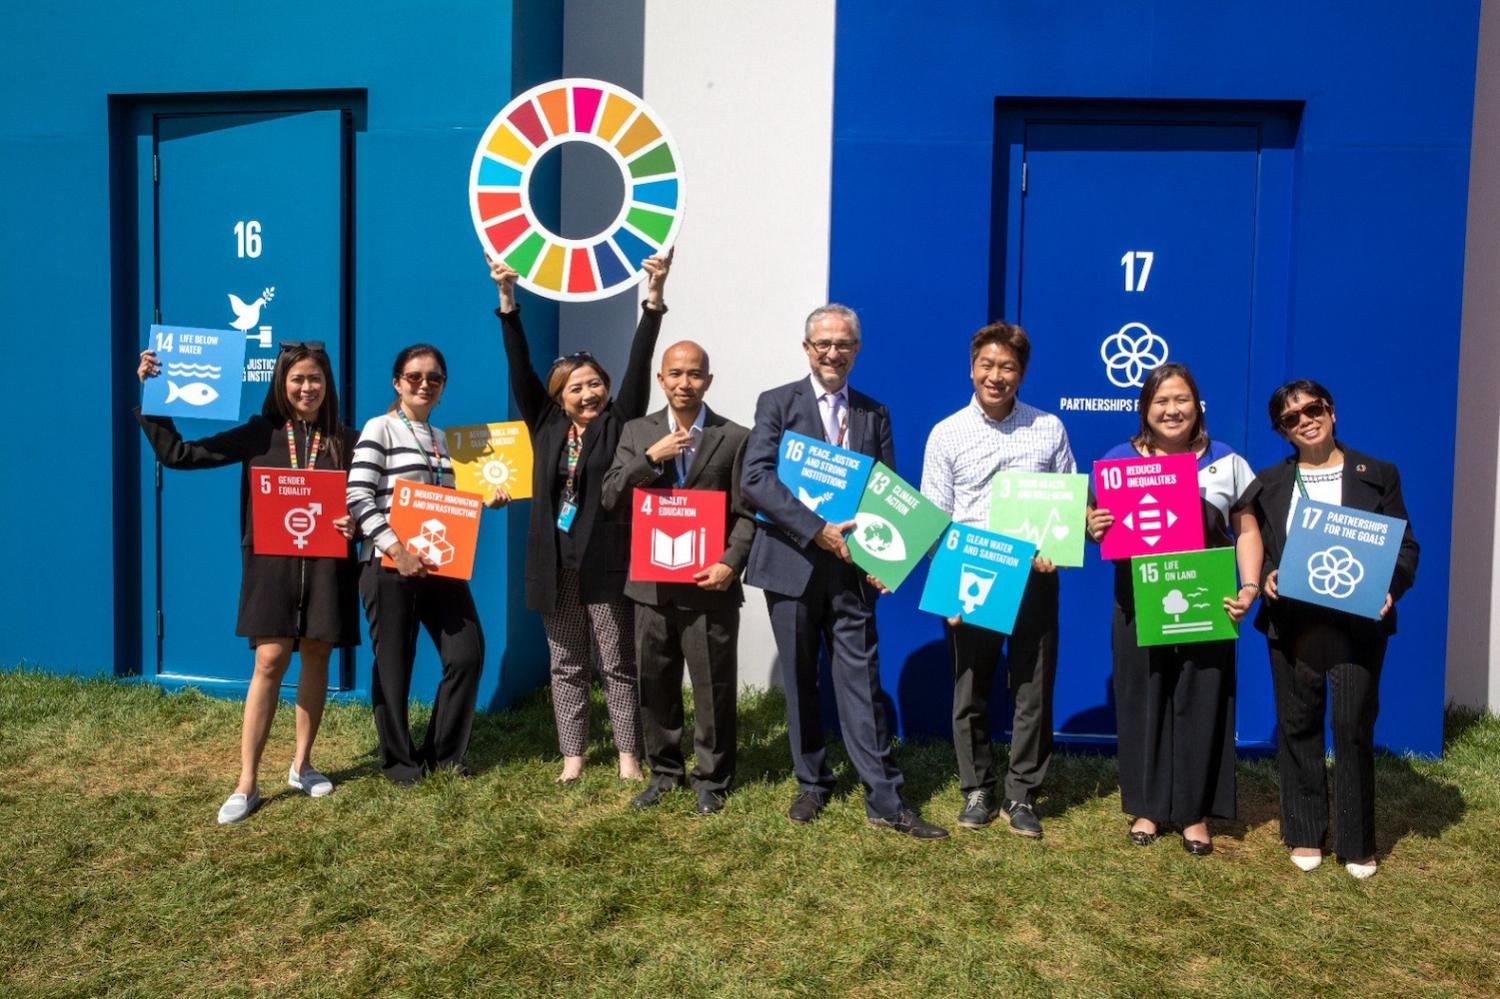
(1127,358)
(1334,572)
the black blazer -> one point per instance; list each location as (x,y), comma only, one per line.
(1368,484)
(602,536)
(781,558)
(716,465)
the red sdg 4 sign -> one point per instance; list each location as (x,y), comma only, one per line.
(676,533)
(292,512)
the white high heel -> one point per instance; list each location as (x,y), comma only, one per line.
(1307,863)
(1362,871)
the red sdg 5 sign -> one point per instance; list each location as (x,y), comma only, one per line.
(292,512)
(676,533)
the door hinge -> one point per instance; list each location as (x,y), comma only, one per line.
(155,169)
(160,628)
(157,313)
(158,475)
(1023,177)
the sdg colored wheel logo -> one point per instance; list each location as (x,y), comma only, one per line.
(555,114)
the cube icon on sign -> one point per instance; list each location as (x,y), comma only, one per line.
(433,530)
(441,552)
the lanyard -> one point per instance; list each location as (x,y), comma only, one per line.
(435,471)
(312,451)
(575,451)
(1301,487)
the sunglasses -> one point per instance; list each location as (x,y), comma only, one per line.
(317,345)
(582,356)
(416,378)
(1313,411)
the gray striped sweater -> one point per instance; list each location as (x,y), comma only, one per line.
(387,451)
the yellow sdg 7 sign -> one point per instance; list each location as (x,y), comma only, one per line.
(491,456)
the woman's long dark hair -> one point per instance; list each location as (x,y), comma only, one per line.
(278,405)
(1159,374)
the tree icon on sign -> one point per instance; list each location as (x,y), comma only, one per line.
(1175,604)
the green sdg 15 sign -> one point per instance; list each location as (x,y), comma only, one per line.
(1179,598)
(894,527)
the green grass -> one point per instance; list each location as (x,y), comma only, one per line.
(114,879)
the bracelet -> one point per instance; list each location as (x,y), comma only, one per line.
(1254,586)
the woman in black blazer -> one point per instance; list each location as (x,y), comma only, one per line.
(577,552)
(1312,647)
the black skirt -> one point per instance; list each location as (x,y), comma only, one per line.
(286,597)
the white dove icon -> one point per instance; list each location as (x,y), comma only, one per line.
(246,316)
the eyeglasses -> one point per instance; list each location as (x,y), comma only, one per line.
(1313,411)
(416,378)
(842,346)
(287,345)
(582,356)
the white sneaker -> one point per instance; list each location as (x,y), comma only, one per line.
(310,781)
(1362,871)
(237,806)
(1307,863)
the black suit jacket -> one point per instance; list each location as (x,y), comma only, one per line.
(1368,484)
(783,555)
(602,536)
(716,465)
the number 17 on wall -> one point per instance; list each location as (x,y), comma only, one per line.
(1133,257)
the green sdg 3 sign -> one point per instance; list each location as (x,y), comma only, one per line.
(894,526)
(1179,598)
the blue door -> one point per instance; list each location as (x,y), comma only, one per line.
(249,235)
(1135,242)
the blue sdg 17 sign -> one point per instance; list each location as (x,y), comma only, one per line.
(825,478)
(201,373)
(1340,557)
(979,576)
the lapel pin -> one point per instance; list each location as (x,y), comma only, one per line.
(1360,467)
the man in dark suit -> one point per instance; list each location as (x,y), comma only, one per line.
(815,595)
(687,446)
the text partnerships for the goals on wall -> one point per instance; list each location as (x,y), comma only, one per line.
(979,576)
(1155,504)
(491,456)
(1045,508)
(1339,557)
(202,372)
(438,525)
(1179,598)
(500,188)
(292,511)
(894,527)
(675,533)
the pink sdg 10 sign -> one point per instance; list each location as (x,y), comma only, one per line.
(1155,504)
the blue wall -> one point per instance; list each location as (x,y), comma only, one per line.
(429,77)
(1376,258)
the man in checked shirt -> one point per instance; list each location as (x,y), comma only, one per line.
(996,432)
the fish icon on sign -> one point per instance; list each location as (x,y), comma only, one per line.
(1148,519)
(193,393)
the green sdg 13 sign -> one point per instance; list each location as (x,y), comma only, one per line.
(894,527)
(1180,598)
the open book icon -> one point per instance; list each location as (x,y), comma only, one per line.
(671,552)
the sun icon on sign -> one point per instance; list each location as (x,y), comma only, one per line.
(496,471)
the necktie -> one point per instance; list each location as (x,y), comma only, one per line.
(832,418)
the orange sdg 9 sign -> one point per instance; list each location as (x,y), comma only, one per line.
(490,456)
(440,526)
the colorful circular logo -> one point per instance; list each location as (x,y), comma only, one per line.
(551,115)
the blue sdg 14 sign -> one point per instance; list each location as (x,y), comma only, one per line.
(979,576)
(825,478)
(1340,557)
(201,373)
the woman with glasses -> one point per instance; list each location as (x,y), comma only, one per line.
(577,552)
(1313,648)
(1174,704)
(402,445)
(287,604)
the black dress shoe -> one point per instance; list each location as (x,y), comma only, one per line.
(651,795)
(1021,818)
(908,823)
(806,808)
(1196,847)
(979,809)
(709,802)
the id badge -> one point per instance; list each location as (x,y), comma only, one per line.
(565,515)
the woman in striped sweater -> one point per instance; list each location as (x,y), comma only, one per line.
(402,444)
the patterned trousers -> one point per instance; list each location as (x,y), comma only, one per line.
(576,633)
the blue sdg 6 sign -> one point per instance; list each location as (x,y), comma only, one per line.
(1340,557)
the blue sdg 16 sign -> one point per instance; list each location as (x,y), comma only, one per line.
(825,478)
(1340,557)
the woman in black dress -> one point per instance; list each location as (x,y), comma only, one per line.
(287,604)
(1316,648)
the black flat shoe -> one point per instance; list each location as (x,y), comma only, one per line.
(1196,847)
(1142,838)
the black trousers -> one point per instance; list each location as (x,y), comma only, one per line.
(396,606)
(707,640)
(1301,675)
(1174,709)
(1031,670)
(836,612)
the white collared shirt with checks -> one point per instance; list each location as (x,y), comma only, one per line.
(965,450)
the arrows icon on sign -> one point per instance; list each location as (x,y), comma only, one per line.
(1149,517)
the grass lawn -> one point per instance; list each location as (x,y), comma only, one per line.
(114,879)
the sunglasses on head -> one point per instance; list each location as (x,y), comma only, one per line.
(1313,411)
(287,345)
(416,378)
(582,356)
